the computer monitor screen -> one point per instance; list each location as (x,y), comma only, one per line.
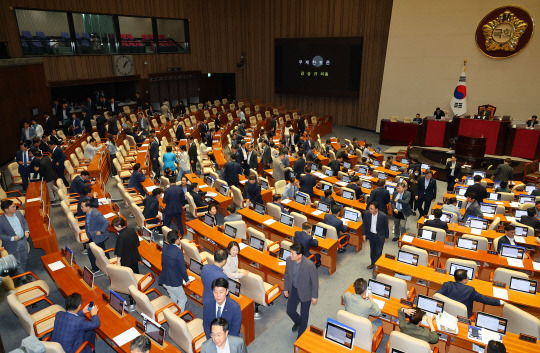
(363,169)
(328,172)
(88,277)
(470,270)
(390,188)
(514,252)
(351,215)
(446,217)
(522,231)
(287,219)
(146,233)
(224,190)
(430,305)
(529,189)
(479,172)
(426,234)
(209,180)
(467,244)
(491,322)
(478,223)
(496,184)
(376,163)
(326,186)
(404,161)
(347,165)
(116,302)
(154,331)
(301,198)
(195,267)
(323,207)
(494,196)
(520,213)
(69,255)
(407,258)
(469,181)
(313,167)
(209,220)
(382,176)
(460,190)
(345,178)
(230,231)
(348,195)
(256,243)
(318,231)
(527,199)
(264,185)
(339,333)
(424,166)
(234,287)
(284,254)
(488,208)
(380,289)
(394,168)
(259,208)
(366,184)
(523,285)
(460,204)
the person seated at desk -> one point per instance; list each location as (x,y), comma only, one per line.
(381,195)
(136,179)
(335,165)
(537,207)
(213,212)
(530,219)
(252,191)
(388,163)
(210,273)
(485,113)
(451,207)
(198,196)
(291,189)
(413,328)
(361,303)
(503,187)
(478,189)
(233,216)
(472,208)
(438,113)
(80,182)
(461,292)
(299,165)
(231,266)
(334,221)
(87,195)
(151,205)
(221,305)
(91,149)
(532,121)
(504,171)
(418,119)
(71,329)
(436,223)
(402,173)
(221,341)
(311,155)
(304,237)
(327,198)
(276,200)
(355,185)
(140,344)
(508,237)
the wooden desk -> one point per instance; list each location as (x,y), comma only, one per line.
(310,342)
(399,133)
(100,166)
(277,232)
(37,215)
(222,201)
(151,257)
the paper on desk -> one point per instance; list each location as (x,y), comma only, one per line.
(536,266)
(476,231)
(514,204)
(103,201)
(269,221)
(109,215)
(191,279)
(126,336)
(407,238)
(447,322)
(34,199)
(243,181)
(140,238)
(514,262)
(488,335)
(282,263)
(211,194)
(286,201)
(431,217)
(520,239)
(55,266)
(203,186)
(500,293)
(145,145)
(341,183)
(380,303)
(317,213)
(510,219)
(242,246)
(151,188)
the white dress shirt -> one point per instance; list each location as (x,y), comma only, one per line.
(225,348)
(222,307)
(373,228)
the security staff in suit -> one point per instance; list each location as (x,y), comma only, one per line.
(307,240)
(71,329)
(453,173)
(136,179)
(375,228)
(23,159)
(381,195)
(87,195)
(174,272)
(58,157)
(478,189)
(14,233)
(504,172)
(426,192)
(508,237)
(301,286)
(192,154)
(210,273)
(401,210)
(174,200)
(97,230)
(472,208)
(222,306)
(151,205)
(221,340)
(334,221)
(154,153)
(308,182)
(299,165)
(461,292)
(252,191)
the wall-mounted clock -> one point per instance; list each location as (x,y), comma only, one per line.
(123,65)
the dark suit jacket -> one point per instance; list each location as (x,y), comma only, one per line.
(113,126)
(503,240)
(266,155)
(98,223)
(457,170)
(46,169)
(308,279)
(436,223)
(307,145)
(334,166)
(198,198)
(151,206)
(332,220)
(127,247)
(154,149)
(473,210)
(231,173)
(69,330)
(6,232)
(403,201)
(429,193)
(174,267)
(382,196)
(301,124)
(382,225)
(87,123)
(231,312)
(503,172)
(299,166)
(19,158)
(252,161)
(50,124)
(135,181)
(210,273)
(465,294)
(110,107)
(174,199)
(478,189)
(306,240)
(357,189)
(253,192)
(531,222)
(78,184)
(192,152)
(307,183)
(59,157)
(180,135)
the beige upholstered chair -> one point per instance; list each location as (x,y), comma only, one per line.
(238,199)
(16,178)
(495,224)
(462,262)
(152,308)
(54,347)
(27,293)
(268,244)
(122,277)
(332,234)
(279,186)
(507,196)
(364,329)
(530,233)
(482,241)
(440,233)
(299,219)
(188,335)
(399,287)
(101,259)
(191,251)
(451,306)
(422,254)
(504,275)
(520,321)
(406,343)
(79,234)
(261,292)
(195,212)
(241,228)
(37,324)
(273,211)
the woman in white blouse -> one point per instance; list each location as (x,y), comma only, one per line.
(184,161)
(231,266)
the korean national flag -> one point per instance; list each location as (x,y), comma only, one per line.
(458,103)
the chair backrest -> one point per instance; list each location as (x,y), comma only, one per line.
(121,278)
(253,287)
(101,260)
(273,210)
(190,251)
(520,321)
(440,233)
(422,254)
(241,228)
(530,233)
(349,190)
(179,331)
(25,319)
(53,347)
(462,262)
(252,232)
(238,199)
(519,187)
(142,303)
(219,182)
(451,306)
(279,186)
(482,241)
(14,169)
(495,223)
(191,205)
(399,286)
(507,196)
(406,343)
(164,182)
(495,243)
(331,232)
(504,275)
(362,326)
(299,219)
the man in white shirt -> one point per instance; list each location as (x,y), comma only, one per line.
(508,237)
(91,149)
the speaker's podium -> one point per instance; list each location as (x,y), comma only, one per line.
(470,148)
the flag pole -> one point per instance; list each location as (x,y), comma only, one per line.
(464,64)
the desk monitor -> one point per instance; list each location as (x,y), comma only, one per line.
(461,190)
(493,196)
(479,172)
(522,231)
(209,220)
(469,181)
(430,305)
(338,333)
(234,287)
(154,331)
(224,190)
(348,195)
(313,167)
(467,244)
(488,208)
(323,207)
(426,234)
(425,166)
(446,217)
(116,302)
(259,208)
(347,165)
(264,185)
(284,254)
(523,285)
(530,188)
(318,231)
(376,163)
(460,204)
(470,270)
(390,188)
(146,234)
(88,277)
(491,322)
(363,169)
(69,256)
(394,168)
(209,180)
(366,184)
(514,252)
(351,215)
(301,198)
(326,186)
(345,178)
(380,289)
(404,161)
(527,199)
(195,266)
(329,173)
(230,231)
(478,223)
(286,219)
(382,176)
(407,258)
(256,243)
(520,213)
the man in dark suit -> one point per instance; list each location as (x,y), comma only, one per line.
(151,205)
(477,188)
(112,128)
(299,165)
(174,273)
(508,237)
(80,182)
(50,123)
(241,129)
(212,272)
(308,182)
(221,305)
(14,233)
(252,191)
(461,292)
(401,209)
(438,113)
(307,240)
(453,173)
(192,154)
(335,165)
(198,195)
(532,121)
(418,119)
(71,329)
(301,126)
(174,200)
(504,172)
(58,157)
(472,208)
(44,144)
(295,142)
(136,179)
(375,228)
(113,107)
(97,230)
(530,219)
(308,144)
(154,153)
(100,125)
(180,135)
(87,122)
(251,161)
(266,158)
(87,195)
(426,192)
(354,185)
(23,159)
(437,223)
(381,195)
(334,221)
(231,173)
(301,286)
(47,173)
